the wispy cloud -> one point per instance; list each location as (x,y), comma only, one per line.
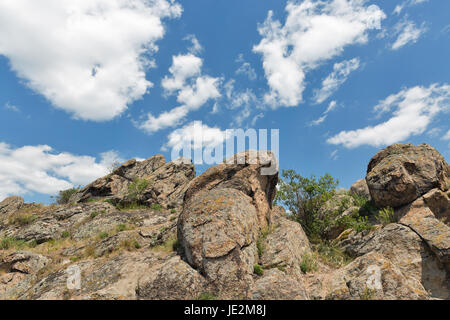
(412,112)
(407,32)
(11,107)
(340,73)
(408,3)
(330,108)
(245,68)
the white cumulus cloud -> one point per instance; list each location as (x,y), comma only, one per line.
(197,134)
(38,169)
(339,75)
(192,88)
(412,110)
(314,32)
(87,57)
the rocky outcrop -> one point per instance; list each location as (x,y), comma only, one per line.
(224,210)
(361,189)
(10,205)
(152,181)
(400,174)
(404,249)
(219,236)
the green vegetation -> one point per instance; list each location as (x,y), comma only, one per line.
(65,234)
(103,235)
(136,189)
(368,294)
(64,195)
(308,263)
(257,269)
(173,210)
(261,239)
(331,254)
(94,214)
(10,243)
(170,245)
(156,207)
(206,296)
(303,197)
(22,218)
(121,227)
(386,216)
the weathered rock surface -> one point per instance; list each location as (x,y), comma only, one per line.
(172,280)
(361,189)
(401,173)
(371,276)
(407,252)
(284,246)
(439,203)
(224,210)
(11,204)
(434,232)
(166,183)
(276,285)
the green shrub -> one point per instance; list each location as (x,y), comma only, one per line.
(121,227)
(303,197)
(65,234)
(261,239)
(64,195)
(103,235)
(22,218)
(308,263)
(354,221)
(331,254)
(173,210)
(10,242)
(206,296)
(386,216)
(94,214)
(136,188)
(156,207)
(257,269)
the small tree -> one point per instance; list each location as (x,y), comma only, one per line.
(64,195)
(303,197)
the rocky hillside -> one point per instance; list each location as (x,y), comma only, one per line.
(152,230)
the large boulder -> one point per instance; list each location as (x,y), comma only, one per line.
(163,183)
(224,211)
(402,173)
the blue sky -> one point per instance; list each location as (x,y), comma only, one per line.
(84,84)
